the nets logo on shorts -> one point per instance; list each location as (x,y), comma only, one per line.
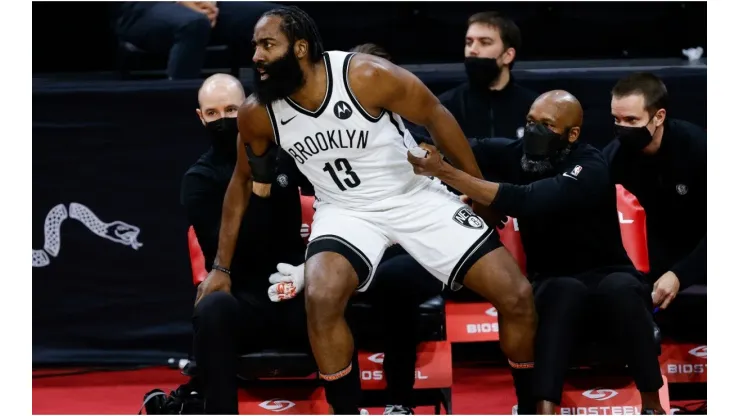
(465,217)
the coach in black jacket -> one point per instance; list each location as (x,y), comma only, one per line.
(559,190)
(663,162)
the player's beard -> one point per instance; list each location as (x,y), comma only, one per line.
(284,78)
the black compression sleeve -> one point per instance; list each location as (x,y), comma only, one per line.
(264,168)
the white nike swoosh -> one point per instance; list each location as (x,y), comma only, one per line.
(568,176)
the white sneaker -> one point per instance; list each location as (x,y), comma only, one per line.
(397,410)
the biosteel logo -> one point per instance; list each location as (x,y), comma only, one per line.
(599,394)
(277,405)
(700,352)
(377,358)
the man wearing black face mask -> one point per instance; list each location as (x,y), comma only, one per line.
(224,321)
(663,162)
(559,190)
(490,104)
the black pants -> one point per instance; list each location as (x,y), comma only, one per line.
(184,33)
(622,305)
(399,287)
(226,325)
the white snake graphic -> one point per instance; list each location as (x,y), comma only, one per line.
(116,231)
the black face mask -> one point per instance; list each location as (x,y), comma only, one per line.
(543,148)
(633,138)
(541,142)
(284,78)
(223,135)
(482,72)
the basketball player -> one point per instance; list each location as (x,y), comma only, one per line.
(339,115)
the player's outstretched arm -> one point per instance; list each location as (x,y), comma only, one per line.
(379,84)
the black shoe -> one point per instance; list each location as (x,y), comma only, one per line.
(652,412)
(398,410)
(182,401)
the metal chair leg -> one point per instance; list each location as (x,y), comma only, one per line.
(447,403)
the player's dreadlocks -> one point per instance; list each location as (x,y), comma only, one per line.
(296,25)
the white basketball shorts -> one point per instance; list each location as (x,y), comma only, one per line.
(430,223)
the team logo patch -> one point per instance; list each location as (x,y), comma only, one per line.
(682,189)
(342,110)
(282,179)
(576,170)
(467,218)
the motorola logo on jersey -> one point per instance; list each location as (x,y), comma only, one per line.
(465,217)
(342,110)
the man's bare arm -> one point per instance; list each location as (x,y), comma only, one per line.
(379,84)
(255,130)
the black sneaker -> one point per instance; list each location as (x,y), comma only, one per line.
(398,410)
(182,401)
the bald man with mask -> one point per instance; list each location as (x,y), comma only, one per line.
(240,317)
(559,190)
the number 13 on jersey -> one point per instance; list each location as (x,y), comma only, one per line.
(342,165)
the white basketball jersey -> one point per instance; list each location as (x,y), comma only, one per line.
(350,157)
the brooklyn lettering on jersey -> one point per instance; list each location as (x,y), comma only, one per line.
(332,139)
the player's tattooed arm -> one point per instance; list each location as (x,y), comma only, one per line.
(379,85)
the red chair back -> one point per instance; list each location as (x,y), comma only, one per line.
(307,212)
(633,226)
(197,261)
(512,240)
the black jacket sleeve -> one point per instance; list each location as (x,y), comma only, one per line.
(693,268)
(582,183)
(203,198)
(610,155)
(203,210)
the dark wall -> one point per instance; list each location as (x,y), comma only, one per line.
(77,36)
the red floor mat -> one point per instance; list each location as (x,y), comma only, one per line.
(475,391)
